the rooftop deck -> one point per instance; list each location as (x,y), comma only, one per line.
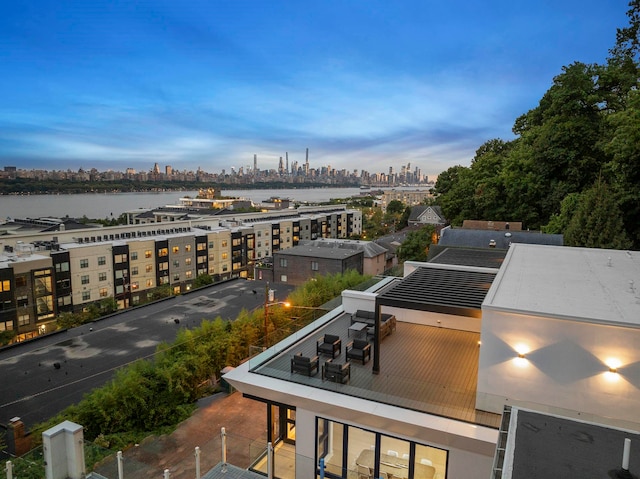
(423,368)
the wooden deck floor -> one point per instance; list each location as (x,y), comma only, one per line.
(423,368)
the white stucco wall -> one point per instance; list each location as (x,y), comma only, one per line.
(428,318)
(566,365)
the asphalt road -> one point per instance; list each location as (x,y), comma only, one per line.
(40,378)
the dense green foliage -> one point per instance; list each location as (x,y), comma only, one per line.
(415,247)
(150,395)
(584,134)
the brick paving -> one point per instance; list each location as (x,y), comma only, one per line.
(243,419)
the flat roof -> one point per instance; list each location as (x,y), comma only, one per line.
(588,284)
(318,252)
(541,445)
(476,257)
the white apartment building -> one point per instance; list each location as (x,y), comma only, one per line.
(554,329)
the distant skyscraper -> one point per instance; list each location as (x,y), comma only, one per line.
(255,163)
(168,170)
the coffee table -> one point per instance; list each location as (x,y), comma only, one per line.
(359,329)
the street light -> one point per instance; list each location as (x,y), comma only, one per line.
(268,300)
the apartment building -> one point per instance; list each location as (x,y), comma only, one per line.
(67,271)
(407,197)
(27,293)
(552,329)
(93,274)
(142,268)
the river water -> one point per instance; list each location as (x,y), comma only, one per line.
(103,205)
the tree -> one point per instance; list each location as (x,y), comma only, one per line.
(395,207)
(415,247)
(597,222)
(202,280)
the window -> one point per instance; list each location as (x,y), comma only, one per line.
(187,248)
(134,271)
(259,234)
(225,267)
(358,446)
(224,243)
(148,268)
(176,277)
(163,252)
(62,267)
(135,285)
(175,249)
(64,283)
(102,260)
(202,259)
(283,262)
(314,266)
(84,263)
(187,261)
(84,279)
(202,246)
(5,285)
(176,263)
(134,256)
(188,274)
(212,257)
(6,326)
(148,253)
(120,258)
(102,276)
(236,242)
(163,266)
(283,278)
(64,300)
(104,292)
(149,283)
(225,255)
(22,300)
(211,244)
(86,295)
(23,320)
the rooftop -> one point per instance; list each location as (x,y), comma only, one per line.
(556,279)
(318,252)
(422,368)
(540,445)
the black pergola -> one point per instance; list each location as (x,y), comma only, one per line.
(438,290)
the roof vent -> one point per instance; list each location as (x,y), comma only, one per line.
(492,243)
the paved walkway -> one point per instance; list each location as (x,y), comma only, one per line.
(243,419)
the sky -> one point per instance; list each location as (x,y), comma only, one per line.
(364,84)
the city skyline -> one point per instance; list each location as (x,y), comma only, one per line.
(123,85)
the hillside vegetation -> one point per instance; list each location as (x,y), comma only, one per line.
(574,166)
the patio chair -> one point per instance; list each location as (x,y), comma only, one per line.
(338,373)
(359,349)
(304,365)
(329,344)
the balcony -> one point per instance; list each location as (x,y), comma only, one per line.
(423,368)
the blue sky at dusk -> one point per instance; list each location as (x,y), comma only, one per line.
(362,84)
